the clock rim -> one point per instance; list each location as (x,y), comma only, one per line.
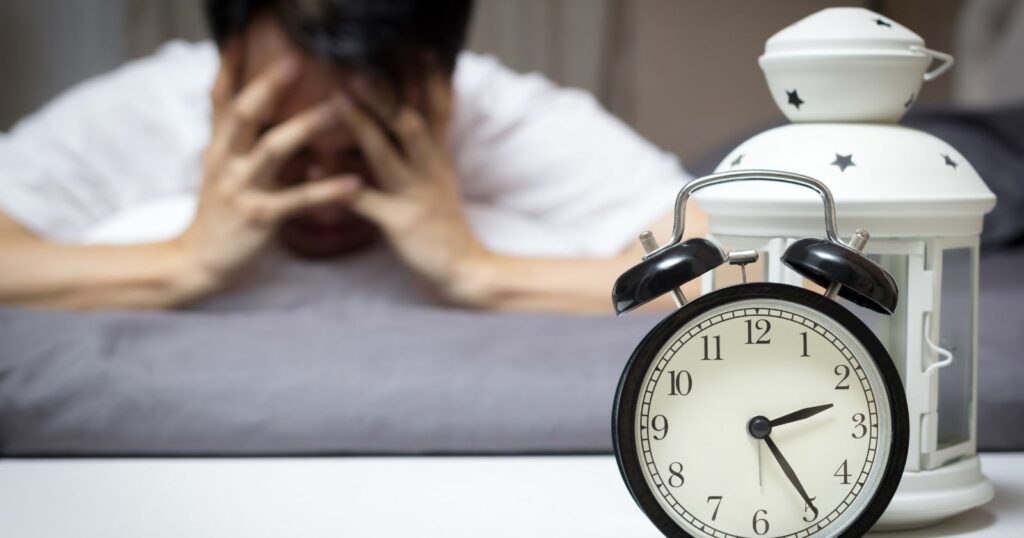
(630,383)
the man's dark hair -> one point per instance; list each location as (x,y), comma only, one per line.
(398,40)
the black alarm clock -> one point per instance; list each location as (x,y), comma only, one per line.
(760,409)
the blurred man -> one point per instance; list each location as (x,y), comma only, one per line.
(332,124)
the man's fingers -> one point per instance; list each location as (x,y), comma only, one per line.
(224,87)
(227,73)
(386,162)
(416,139)
(255,102)
(408,125)
(439,104)
(280,143)
(277,205)
(376,206)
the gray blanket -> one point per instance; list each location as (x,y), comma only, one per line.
(341,369)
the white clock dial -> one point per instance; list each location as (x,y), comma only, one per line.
(716,474)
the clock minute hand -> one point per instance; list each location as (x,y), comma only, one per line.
(799,415)
(788,470)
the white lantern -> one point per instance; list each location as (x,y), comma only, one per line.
(919,198)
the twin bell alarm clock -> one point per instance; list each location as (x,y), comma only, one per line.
(761,409)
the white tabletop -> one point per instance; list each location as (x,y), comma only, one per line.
(352,497)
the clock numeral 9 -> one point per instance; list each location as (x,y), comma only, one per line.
(843,371)
(858,422)
(762,325)
(660,425)
(843,473)
(760,523)
(718,503)
(675,475)
(680,383)
(707,350)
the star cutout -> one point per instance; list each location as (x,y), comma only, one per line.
(844,161)
(736,162)
(882,22)
(909,101)
(950,162)
(794,99)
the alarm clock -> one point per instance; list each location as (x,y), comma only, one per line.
(760,409)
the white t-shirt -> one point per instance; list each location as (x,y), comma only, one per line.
(543,170)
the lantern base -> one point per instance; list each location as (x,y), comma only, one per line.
(927,497)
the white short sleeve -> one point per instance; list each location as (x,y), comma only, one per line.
(552,157)
(110,143)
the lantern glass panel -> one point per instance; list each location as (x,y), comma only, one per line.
(956,381)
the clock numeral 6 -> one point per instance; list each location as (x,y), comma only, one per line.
(680,383)
(760,523)
(660,425)
(707,350)
(858,423)
(675,475)
(843,371)
(762,325)
(717,499)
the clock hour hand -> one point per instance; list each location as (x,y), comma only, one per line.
(799,415)
(790,474)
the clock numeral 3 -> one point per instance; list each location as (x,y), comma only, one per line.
(707,350)
(760,523)
(843,473)
(843,371)
(858,422)
(680,383)
(675,475)
(660,425)
(762,325)
(717,499)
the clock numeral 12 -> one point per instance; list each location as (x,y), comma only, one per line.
(677,382)
(762,325)
(718,348)
(760,523)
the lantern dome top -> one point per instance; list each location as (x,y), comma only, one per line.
(843,29)
(848,64)
(893,181)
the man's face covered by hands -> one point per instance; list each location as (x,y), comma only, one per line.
(327,229)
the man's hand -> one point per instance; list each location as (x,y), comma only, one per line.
(418,205)
(238,212)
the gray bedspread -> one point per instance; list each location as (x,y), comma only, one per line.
(349,368)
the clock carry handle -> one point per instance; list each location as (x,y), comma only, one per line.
(828,262)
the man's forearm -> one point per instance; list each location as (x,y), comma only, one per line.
(155,275)
(542,284)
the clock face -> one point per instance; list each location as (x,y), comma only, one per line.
(761,416)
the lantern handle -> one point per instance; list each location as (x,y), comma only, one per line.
(947,356)
(679,223)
